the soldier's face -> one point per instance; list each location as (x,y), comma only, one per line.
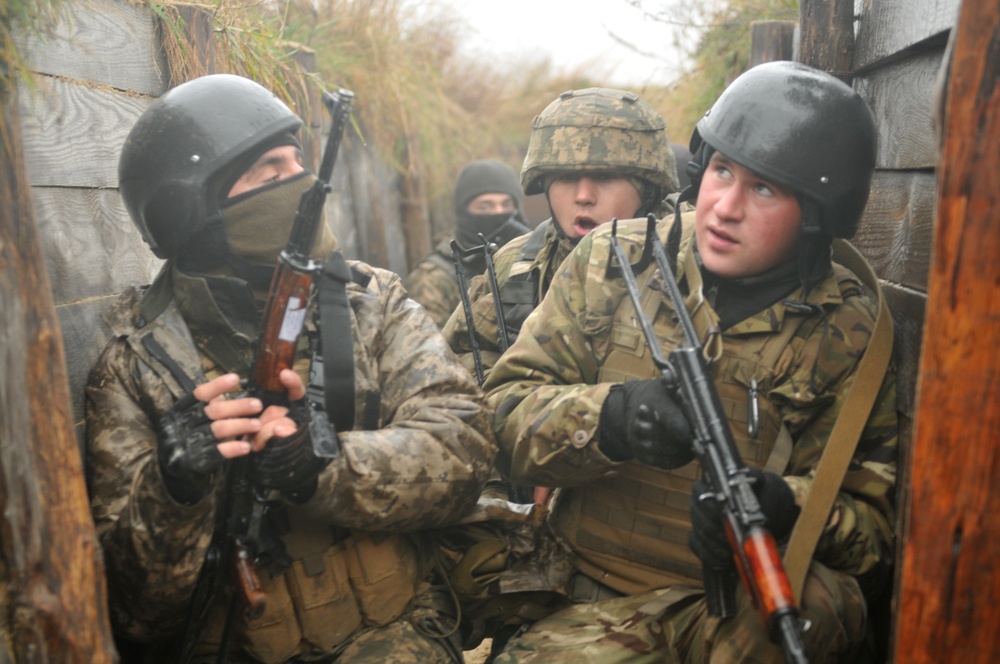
(745,224)
(276,164)
(583,201)
(490,203)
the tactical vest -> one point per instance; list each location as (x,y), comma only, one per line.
(521,292)
(630,530)
(332,590)
(339,581)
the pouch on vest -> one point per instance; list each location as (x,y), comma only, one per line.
(327,610)
(275,636)
(383,572)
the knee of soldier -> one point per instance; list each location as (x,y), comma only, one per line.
(835,612)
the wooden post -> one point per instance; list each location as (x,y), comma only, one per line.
(826,36)
(948,608)
(308,105)
(188,37)
(771,40)
(52,585)
(415,209)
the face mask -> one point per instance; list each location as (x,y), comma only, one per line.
(258,223)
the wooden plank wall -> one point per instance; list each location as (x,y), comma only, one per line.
(898,52)
(93,73)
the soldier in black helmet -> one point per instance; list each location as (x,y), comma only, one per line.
(783,165)
(212,174)
(488,201)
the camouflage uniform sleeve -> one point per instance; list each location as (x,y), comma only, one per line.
(154,547)
(426,465)
(435,289)
(543,388)
(859,535)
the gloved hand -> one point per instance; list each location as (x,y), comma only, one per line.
(187,451)
(641,420)
(289,463)
(708,532)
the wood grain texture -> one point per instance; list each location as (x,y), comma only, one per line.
(826,35)
(907,307)
(897,228)
(51,571)
(887,27)
(949,598)
(109,42)
(73,133)
(771,41)
(91,246)
(84,336)
(901,96)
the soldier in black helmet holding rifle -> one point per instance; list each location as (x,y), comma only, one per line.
(322,475)
(789,337)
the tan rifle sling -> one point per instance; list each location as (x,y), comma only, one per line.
(846,432)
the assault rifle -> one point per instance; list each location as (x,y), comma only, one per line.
(754,549)
(240,538)
(487,248)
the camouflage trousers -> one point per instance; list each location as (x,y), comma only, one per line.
(673,625)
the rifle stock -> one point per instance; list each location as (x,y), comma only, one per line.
(754,550)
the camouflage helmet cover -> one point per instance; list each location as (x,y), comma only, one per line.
(599,129)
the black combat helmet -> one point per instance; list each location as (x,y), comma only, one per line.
(187,149)
(801,128)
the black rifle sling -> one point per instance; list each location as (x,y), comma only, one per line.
(337,342)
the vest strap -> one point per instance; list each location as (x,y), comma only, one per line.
(846,432)
(336,340)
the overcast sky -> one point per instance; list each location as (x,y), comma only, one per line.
(572,33)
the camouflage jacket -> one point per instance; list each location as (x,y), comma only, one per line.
(484,317)
(434,285)
(421,467)
(548,399)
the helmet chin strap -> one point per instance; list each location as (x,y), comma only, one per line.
(814,259)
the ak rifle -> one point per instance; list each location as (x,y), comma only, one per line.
(754,549)
(458,254)
(239,532)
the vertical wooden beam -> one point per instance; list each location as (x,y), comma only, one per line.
(188,36)
(826,36)
(771,41)
(949,595)
(308,105)
(415,209)
(53,603)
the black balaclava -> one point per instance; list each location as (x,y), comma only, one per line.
(487,176)
(246,236)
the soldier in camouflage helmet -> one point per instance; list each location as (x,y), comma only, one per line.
(596,154)
(786,158)
(212,174)
(488,200)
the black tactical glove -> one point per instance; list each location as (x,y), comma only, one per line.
(290,464)
(187,451)
(641,420)
(708,532)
